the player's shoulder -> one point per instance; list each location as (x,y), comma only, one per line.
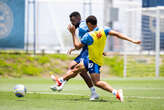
(106,28)
(83,25)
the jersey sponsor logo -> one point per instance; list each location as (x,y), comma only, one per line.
(99,35)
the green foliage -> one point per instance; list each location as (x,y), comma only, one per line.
(62,57)
(162,70)
(57,70)
(4,67)
(30,70)
(43,59)
(140,66)
(3,63)
(2,71)
(29,58)
(115,65)
(17,65)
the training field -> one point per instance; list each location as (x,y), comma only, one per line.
(140,94)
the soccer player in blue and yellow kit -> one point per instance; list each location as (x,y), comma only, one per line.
(82,28)
(95,41)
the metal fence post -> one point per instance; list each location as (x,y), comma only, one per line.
(157,41)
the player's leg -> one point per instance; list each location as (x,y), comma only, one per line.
(89,82)
(73,72)
(83,73)
(69,74)
(86,78)
(103,85)
(94,71)
(62,80)
(74,69)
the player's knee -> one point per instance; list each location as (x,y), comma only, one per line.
(81,66)
(74,75)
(75,70)
(71,65)
(83,73)
(96,83)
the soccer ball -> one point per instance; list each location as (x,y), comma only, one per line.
(20,90)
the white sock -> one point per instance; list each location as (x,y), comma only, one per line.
(53,77)
(61,79)
(114,92)
(93,91)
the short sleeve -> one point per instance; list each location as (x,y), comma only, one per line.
(107,30)
(87,39)
(83,28)
(82,32)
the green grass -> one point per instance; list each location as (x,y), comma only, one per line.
(140,94)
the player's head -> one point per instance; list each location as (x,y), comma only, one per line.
(75,18)
(91,22)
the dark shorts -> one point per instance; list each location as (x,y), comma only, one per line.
(91,66)
(83,55)
(79,58)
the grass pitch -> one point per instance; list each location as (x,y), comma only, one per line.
(140,94)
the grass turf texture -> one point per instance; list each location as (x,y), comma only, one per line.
(140,94)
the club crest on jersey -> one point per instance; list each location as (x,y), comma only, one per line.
(99,35)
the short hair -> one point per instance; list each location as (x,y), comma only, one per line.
(75,14)
(91,19)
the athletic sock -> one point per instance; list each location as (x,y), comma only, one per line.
(93,91)
(61,79)
(53,77)
(114,92)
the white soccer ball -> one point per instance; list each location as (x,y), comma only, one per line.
(20,90)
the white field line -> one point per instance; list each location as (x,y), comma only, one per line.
(145,88)
(140,97)
(126,89)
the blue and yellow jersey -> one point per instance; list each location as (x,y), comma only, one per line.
(96,41)
(83,29)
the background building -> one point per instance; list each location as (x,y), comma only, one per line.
(148,33)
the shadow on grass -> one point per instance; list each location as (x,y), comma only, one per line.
(84,99)
(20,100)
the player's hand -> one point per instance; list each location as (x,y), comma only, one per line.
(104,54)
(69,52)
(137,42)
(71,29)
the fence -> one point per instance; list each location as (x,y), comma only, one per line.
(47,21)
(46,30)
(147,25)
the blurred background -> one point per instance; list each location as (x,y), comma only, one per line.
(40,27)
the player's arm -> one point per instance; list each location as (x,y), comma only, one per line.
(124,37)
(78,45)
(110,53)
(71,50)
